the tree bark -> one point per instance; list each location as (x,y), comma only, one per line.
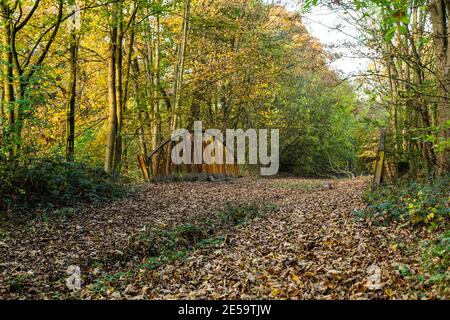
(179,68)
(70,114)
(119,87)
(8,80)
(112,97)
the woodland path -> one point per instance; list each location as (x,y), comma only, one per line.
(311,247)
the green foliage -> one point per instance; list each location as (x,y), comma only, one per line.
(153,263)
(421,204)
(18,283)
(319,132)
(404,270)
(211,242)
(106,283)
(436,261)
(308,4)
(53,183)
(161,240)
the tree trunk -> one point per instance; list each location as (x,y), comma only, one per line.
(70,114)
(439,10)
(8,79)
(112,97)
(119,88)
(179,68)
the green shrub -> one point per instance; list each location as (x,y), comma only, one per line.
(49,183)
(159,240)
(414,202)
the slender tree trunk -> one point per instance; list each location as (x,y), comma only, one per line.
(157,96)
(178,81)
(142,143)
(8,77)
(128,66)
(179,68)
(112,97)
(152,79)
(70,114)
(393,85)
(2,103)
(143,115)
(119,88)
(158,89)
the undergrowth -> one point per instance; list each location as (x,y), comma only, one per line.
(417,205)
(436,262)
(53,184)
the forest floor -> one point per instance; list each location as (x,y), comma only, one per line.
(306,245)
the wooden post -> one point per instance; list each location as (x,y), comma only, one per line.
(379,166)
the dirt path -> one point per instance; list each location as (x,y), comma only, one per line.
(310,248)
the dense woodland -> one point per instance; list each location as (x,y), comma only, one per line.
(409,78)
(88,87)
(101,82)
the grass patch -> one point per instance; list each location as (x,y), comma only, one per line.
(299,185)
(107,282)
(239,213)
(162,239)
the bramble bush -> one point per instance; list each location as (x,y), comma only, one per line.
(417,203)
(53,183)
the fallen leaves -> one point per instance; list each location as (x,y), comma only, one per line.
(310,248)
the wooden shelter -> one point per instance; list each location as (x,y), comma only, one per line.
(159,163)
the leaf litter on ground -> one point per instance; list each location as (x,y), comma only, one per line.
(306,245)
